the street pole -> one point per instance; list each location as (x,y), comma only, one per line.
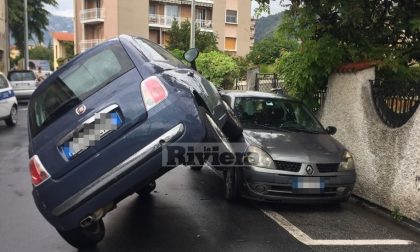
(26,53)
(192,41)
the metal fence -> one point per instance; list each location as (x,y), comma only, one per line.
(266,82)
(395,102)
(319,99)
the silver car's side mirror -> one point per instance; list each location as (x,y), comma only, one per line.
(331,130)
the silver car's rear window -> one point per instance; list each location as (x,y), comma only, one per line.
(22,76)
(76,83)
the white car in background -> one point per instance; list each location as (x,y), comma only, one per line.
(8,102)
(23,82)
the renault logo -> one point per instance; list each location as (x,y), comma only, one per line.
(80,109)
(309,170)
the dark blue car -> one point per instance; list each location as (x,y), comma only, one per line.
(97,127)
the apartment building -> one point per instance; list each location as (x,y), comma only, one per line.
(99,20)
(4,38)
(59,39)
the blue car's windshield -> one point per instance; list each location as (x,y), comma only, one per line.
(275,114)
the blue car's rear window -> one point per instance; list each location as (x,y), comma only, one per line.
(76,83)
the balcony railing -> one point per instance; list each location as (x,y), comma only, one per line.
(89,43)
(205,3)
(166,22)
(95,15)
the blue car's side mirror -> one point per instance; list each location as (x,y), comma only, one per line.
(191,55)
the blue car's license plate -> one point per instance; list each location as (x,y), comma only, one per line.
(308,184)
(91,133)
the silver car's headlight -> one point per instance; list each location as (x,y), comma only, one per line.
(347,162)
(257,157)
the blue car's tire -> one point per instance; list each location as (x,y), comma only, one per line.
(232,127)
(83,238)
(145,191)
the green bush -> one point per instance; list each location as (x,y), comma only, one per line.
(218,68)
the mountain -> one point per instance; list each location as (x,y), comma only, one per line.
(57,24)
(266,26)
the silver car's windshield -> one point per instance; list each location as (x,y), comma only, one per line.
(275,114)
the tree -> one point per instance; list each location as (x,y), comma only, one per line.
(37,19)
(265,51)
(218,68)
(69,53)
(179,38)
(318,36)
(40,53)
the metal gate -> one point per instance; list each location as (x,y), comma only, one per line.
(266,82)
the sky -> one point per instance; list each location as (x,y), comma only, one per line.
(65,8)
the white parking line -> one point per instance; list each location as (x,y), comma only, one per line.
(23,109)
(305,239)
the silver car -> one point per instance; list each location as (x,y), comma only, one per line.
(23,82)
(289,155)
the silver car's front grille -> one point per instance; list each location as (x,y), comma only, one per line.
(288,166)
(328,167)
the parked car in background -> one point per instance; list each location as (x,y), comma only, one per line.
(98,124)
(8,103)
(289,155)
(24,83)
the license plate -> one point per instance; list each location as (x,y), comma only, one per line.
(91,133)
(308,184)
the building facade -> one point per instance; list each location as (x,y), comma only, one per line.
(4,38)
(59,40)
(99,20)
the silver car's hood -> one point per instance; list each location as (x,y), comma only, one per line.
(296,146)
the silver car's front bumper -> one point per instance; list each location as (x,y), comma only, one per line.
(274,185)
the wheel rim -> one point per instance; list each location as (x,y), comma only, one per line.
(13,114)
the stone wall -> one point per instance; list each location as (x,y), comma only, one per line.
(387,160)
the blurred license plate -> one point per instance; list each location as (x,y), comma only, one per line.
(316,183)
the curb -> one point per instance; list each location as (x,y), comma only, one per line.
(405,222)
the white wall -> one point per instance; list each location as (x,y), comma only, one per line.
(387,160)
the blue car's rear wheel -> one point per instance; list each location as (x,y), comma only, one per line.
(232,127)
(87,237)
(145,191)
(213,134)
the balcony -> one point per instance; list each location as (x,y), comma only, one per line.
(92,16)
(166,22)
(204,3)
(87,44)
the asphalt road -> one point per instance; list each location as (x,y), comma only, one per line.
(187,212)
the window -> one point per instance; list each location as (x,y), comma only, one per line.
(230,44)
(231,16)
(152,9)
(171,14)
(26,75)
(77,83)
(3,82)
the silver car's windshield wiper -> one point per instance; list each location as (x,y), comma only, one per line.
(298,129)
(270,127)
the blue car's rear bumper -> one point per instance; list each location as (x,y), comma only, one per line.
(65,207)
